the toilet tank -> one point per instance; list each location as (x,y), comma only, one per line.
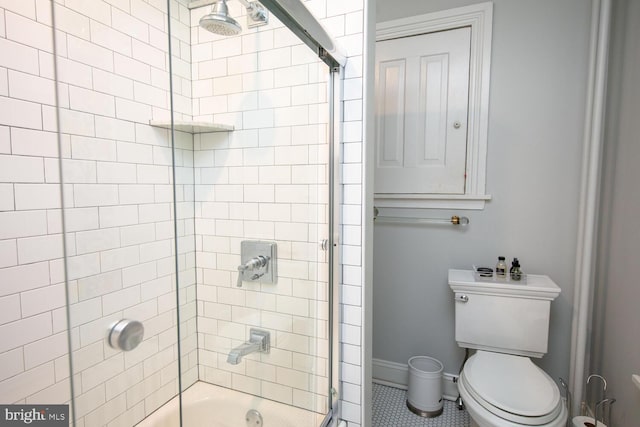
(502,316)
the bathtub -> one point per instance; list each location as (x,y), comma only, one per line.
(207,405)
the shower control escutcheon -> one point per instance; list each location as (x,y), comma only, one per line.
(257,262)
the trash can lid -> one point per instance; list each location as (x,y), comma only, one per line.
(426,364)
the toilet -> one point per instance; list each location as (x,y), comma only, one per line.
(507,323)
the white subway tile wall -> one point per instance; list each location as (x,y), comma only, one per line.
(114,74)
(266,180)
(272,186)
(249,186)
(33,354)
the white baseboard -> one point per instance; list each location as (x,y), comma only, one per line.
(390,373)
(397,375)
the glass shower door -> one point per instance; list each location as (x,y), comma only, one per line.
(117,176)
(173,155)
(267,180)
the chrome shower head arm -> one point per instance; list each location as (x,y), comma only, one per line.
(245,3)
(257,12)
(220,7)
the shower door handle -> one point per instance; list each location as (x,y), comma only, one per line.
(125,334)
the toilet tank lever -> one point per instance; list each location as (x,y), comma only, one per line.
(462,298)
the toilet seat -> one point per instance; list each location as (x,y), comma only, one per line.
(512,388)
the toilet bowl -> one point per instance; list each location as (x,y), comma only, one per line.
(501,390)
(507,324)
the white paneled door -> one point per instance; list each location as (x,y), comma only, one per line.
(422,91)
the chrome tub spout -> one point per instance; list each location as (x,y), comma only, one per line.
(259,342)
(235,355)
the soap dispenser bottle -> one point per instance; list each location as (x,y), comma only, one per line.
(515,271)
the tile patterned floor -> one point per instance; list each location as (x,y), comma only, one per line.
(390,410)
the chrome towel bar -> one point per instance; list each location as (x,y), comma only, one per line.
(454,220)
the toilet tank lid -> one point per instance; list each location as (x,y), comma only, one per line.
(537,286)
(512,383)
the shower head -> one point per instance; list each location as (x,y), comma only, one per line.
(219,21)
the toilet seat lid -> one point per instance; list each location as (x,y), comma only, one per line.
(511,383)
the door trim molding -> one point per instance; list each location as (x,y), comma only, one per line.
(480,18)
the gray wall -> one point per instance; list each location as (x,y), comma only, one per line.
(615,346)
(538,91)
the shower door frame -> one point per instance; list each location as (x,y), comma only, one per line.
(335,266)
(311,32)
(333,57)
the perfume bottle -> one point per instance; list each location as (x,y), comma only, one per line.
(515,271)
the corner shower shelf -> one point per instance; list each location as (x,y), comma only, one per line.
(192,126)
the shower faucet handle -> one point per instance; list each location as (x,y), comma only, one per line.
(255,263)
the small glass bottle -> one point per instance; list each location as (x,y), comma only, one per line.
(501,268)
(515,272)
